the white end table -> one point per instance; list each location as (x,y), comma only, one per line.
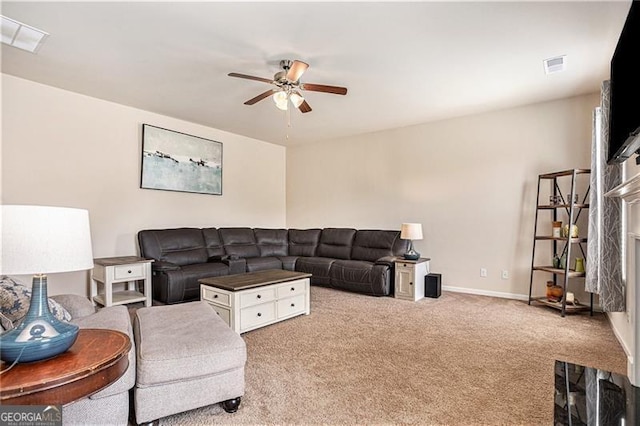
(126,269)
(409,278)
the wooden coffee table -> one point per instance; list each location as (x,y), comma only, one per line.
(97,358)
(256,299)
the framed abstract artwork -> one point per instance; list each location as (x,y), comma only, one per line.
(174,161)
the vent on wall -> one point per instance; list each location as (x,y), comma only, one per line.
(22,36)
(557,64)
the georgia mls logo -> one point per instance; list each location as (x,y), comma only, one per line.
(30,415)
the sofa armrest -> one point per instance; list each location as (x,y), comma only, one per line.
(78,306)
(161,266)
(387,260)
(236,265)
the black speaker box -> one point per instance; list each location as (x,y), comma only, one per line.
(432,285)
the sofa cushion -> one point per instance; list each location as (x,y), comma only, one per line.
(272,242)
(317,266)
(192,273)
(263,263)
(288,262)
(371,245)
(350,272)
(185,341)
(213,242)
(182,246)
(239,242)
(361,276)
(303,242)
(336,243)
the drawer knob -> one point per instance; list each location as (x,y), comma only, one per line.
(259,314)
(293,289)
(410,283)
(129,271)
(259,297)
(293,305)
(215,296)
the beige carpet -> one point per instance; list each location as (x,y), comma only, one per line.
(459,360)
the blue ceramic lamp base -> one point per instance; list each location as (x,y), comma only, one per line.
(411,254)
(40,335)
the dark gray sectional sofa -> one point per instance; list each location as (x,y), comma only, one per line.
(344,258)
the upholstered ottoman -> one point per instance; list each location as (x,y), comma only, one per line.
(187,357)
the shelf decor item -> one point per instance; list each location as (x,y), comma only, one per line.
(42,240)
(573,233)
(556,228)
(554,292)
(579,264)
(411,231)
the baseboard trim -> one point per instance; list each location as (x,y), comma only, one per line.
(503,295)
(627,350)
(490,293)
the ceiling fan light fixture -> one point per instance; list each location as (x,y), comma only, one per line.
(281,100)
(296,99)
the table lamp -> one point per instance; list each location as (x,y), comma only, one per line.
(42,240)
(411,231)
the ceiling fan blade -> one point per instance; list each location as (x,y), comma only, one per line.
(260,97)
(304,107)
(250,77)
(296,70)
(324,88)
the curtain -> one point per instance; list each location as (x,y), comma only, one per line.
(604,247)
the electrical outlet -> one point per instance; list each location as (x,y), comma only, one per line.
(483,272)
(505,274)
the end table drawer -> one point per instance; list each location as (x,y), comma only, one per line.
(133,271)
(258,296)
(215,296)
(291,288)
(223,313)
(256,315)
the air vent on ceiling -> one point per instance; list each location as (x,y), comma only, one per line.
(557,64)
(22,36)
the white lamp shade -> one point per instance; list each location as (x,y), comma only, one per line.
(411,231)
(42,240)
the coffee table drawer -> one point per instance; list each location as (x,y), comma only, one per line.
(291,288)
(291,306)
(213,295)
(255,316)
(223,313)
(262,295)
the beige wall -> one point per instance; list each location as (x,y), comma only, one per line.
(64,149)
(470,181)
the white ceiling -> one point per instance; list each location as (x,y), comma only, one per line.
(403,63)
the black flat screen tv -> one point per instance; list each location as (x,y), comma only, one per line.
(624,115)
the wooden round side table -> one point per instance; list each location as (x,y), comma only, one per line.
(97,359)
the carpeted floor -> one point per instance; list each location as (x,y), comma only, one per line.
(457,360)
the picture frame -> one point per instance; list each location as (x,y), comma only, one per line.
(176,161)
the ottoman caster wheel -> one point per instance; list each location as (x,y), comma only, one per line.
(231,405)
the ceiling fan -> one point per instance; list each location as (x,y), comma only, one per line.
(288,86)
